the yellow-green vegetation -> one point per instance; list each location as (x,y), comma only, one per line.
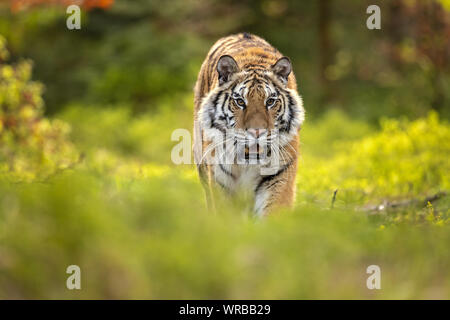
(89,182)
(403,159)
(138,227)
(31,146)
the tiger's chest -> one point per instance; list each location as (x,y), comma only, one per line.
(238,178)
(243,181)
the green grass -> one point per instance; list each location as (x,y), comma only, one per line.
(153,238)
(138,226)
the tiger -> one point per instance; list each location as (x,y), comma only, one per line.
(246,89)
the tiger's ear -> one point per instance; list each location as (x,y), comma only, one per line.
(282,68)
(226,66)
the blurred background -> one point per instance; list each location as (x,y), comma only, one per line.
(86,178)
(142,52)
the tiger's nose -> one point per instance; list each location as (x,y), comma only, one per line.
(256,133)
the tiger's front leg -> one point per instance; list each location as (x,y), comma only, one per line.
(216,192)
(276,191)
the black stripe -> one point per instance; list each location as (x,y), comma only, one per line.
(247,35)
(221,184)
(233,87)
(224,102)
(271,177)
(283,109)
(212,114)
(291,112)
(262,55)
(227,172)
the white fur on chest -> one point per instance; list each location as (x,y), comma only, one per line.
(243,181)
(242,177)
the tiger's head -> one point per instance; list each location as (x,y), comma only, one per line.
(256,105)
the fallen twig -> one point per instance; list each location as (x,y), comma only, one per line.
(334,198)
(385,205)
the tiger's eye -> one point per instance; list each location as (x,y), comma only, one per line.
(240,102)
(270,102)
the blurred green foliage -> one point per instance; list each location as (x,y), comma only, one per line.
(91,182)
(31,146)
(139,52)
(154,239)
(403,159)
(138,226)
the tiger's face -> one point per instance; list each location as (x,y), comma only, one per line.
(253,107)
